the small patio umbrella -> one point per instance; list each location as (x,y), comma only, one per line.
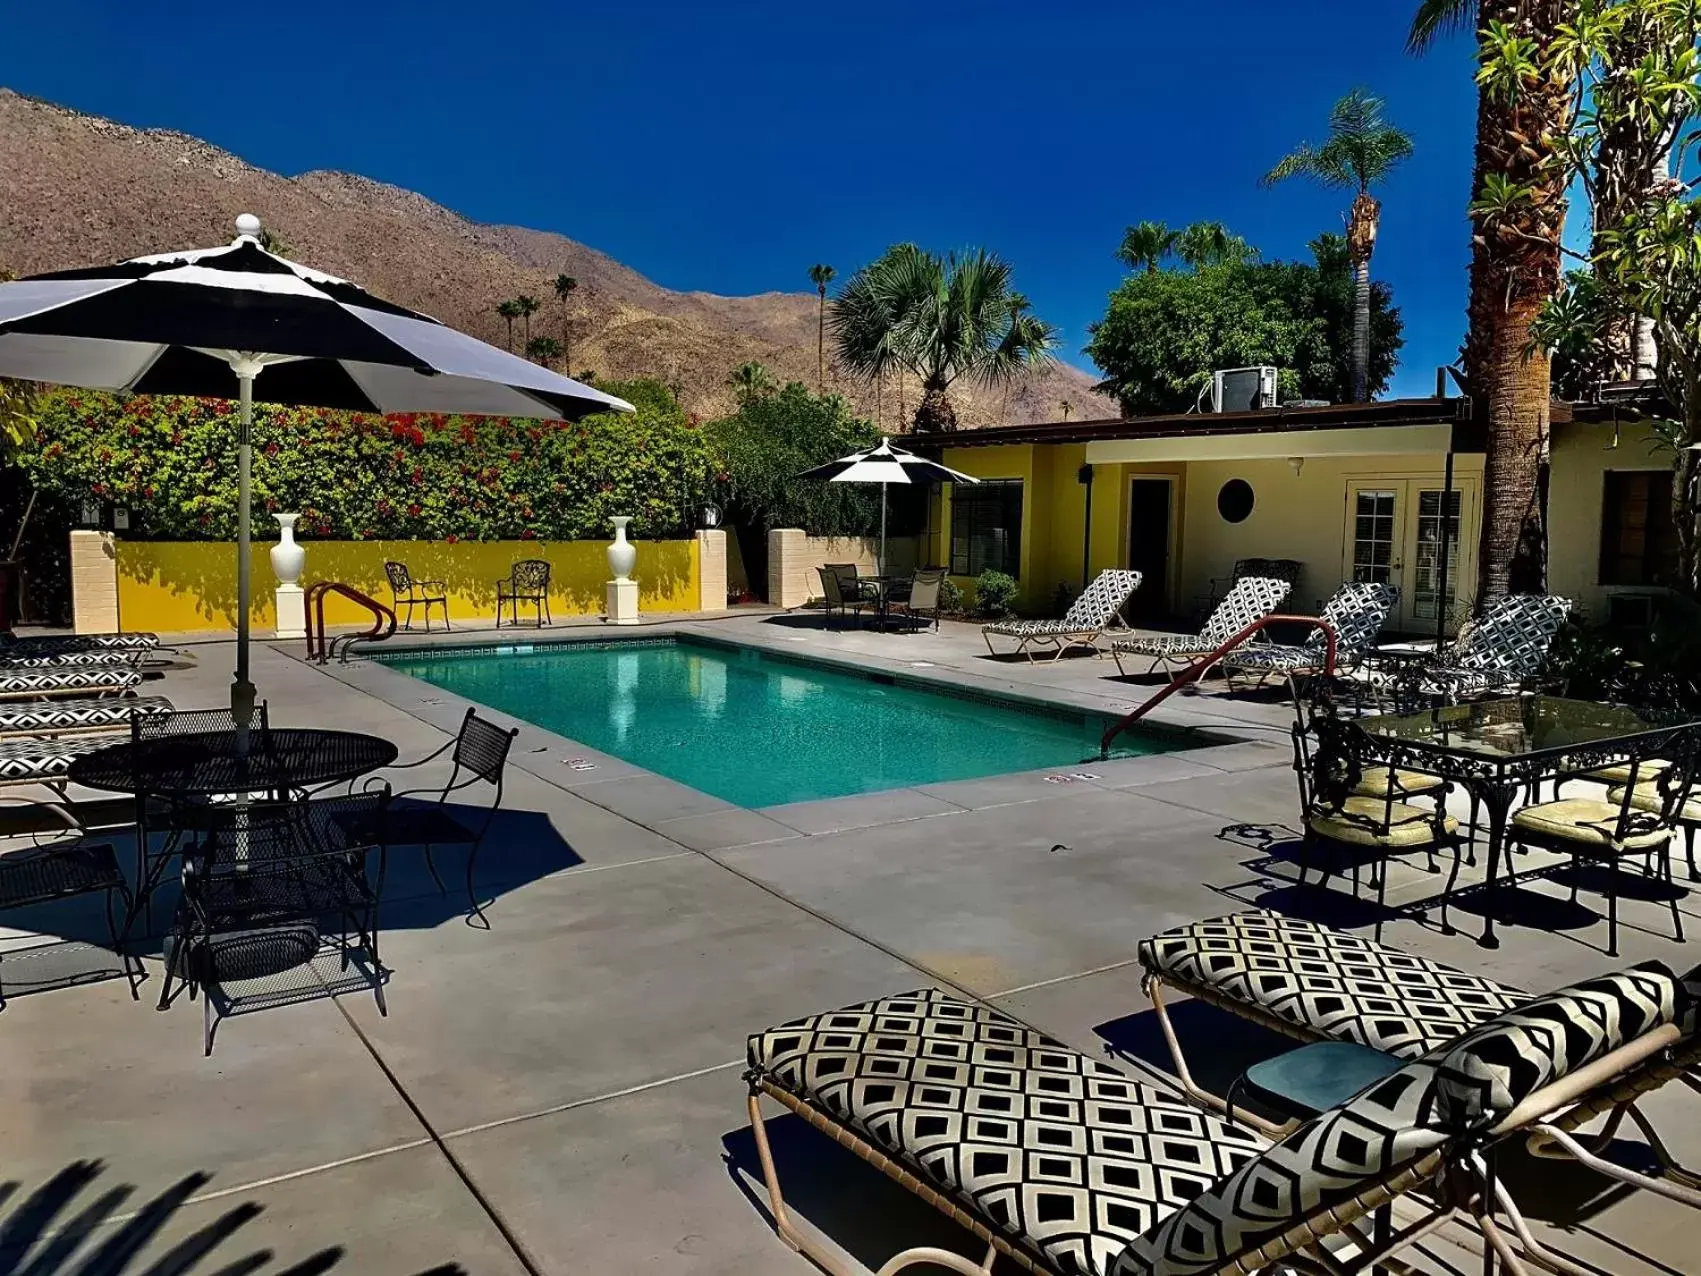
(208,322)
(883,465)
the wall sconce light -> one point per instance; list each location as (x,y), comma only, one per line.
(1298,464)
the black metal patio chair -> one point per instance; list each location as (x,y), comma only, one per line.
(45,873)
(407,590)
(479,753)
(527,582)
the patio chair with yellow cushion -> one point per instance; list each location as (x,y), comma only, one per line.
(1636,819)
(1362,810)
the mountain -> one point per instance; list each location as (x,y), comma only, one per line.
(81,190)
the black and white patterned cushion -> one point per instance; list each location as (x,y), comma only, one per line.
(1487,1073)
(73,715)
(52,644)
(28,760)
(1062,1154)
(1252,598)
(30,680)
(1323,1164)
(1357,613)
(1097,606)
(69,658)
(1327,983)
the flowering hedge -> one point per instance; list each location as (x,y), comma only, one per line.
(353,476)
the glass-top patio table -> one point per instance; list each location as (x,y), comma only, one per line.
(1497,749)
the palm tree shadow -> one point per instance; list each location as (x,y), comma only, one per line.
(63,1228)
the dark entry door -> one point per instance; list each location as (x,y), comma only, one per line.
(1148,546)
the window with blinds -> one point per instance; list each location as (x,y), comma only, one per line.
(1638,539)
(986,527)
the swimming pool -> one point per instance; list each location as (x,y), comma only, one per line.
(757,729)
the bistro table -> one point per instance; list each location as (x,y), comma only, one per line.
(206,763)
(1497,749)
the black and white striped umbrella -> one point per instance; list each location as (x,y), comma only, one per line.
(883,465)
(209,322)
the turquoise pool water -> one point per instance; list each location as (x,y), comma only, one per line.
(757,730)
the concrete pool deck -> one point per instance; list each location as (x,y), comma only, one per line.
(561,1093)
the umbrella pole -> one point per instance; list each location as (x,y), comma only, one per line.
(883,529)
(241,689)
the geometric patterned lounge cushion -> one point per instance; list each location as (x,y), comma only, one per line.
(73,715)
(17,680)
(1356,613)
(1097,606)
(74,656)
(1064,1155)
(1329,984)
(31,759)
(55,644)
(1499,1064)
(1251,599)
(1320,1166)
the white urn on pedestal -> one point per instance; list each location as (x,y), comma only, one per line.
(622,591)
(288,559)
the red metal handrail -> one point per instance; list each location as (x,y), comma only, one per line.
(383,619)
(1199,668)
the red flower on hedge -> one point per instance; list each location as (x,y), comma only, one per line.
(513,456)
(451,538)
(528,535)
(413,511)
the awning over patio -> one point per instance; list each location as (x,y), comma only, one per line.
(1377,440)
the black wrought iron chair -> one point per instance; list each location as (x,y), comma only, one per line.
(527,582)
(1638,818)
(44,873)
(479,753)
(261,895)
(408,591)
(1361,813)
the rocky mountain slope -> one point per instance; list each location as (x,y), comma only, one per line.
(76,189)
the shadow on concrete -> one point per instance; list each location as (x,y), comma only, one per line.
(834,1192)
(56,1230)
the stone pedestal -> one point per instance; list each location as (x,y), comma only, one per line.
(291,611)
(622,601)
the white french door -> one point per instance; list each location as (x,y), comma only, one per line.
(1393,535)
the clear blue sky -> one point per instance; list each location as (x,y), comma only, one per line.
(727,146)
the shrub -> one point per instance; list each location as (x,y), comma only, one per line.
(995,593)
(358,476)
(950,598)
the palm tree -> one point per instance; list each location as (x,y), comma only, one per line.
(1362,150)
(942,318)
(510,311)
(1211,244)
(544,350)
(821,276)
(529,306)
(565,287)
(1066,406)
(1519,213)
(1146,246)
(750,381)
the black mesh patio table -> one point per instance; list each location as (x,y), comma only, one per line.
(204,763)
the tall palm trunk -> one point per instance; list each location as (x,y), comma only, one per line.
(821,343)
(1515,268)
(1361,242)
(934,414)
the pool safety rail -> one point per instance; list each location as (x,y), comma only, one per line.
(321,648)
(1199,668)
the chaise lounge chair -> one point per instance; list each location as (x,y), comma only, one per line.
(68,717)
(1497,653)
(1356,613)
(31,682)
(1313,983)
(1097,609)
(1251,599)
(1068,1167)
(12,645)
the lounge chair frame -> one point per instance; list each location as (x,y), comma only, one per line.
(1253,598)
(1102,591)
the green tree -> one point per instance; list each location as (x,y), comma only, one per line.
(565,287)
(17,407)
(528,306)
(510,311)
(821,276)
(1146,246)
(1362,150)
(1524,105)
(1165,330)
(750,381)
(544,350)
(1149,245)
(770,440)
(942,318)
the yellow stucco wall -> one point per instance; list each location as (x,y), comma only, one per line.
(172,587)
(1582,455)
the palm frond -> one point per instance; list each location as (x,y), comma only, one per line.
(1300,162)
(1435,19)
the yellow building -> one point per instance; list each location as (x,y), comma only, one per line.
(1349,492)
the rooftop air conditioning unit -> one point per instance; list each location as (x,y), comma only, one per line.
(1243,389)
